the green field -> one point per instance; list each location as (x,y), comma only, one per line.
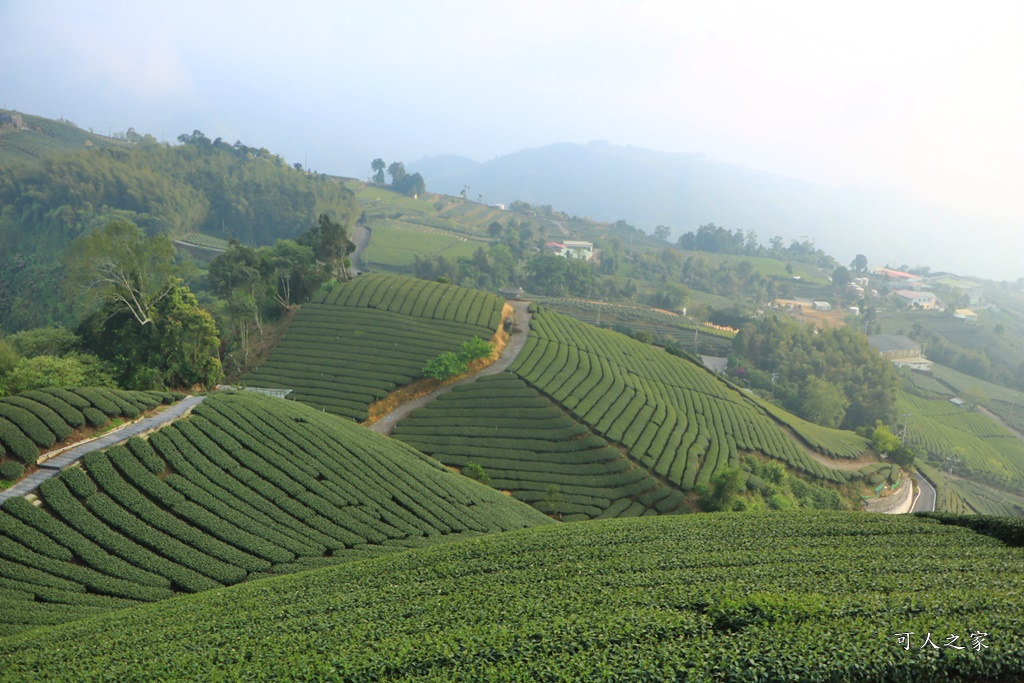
(808,596)
(526,445)
(245,487)
(836,443)
(768,267)
(395,244)
(973,387)
(371,335)
(676,419)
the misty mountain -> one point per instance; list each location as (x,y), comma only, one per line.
(649,188)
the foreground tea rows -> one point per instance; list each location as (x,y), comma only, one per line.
(808,596)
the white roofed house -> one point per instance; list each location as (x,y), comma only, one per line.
(580,250)
(902,351)
(917,299)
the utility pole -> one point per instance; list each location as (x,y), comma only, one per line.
(903,431)
(775,376)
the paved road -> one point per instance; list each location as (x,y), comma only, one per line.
(54,465)
(926,499)
(386,424)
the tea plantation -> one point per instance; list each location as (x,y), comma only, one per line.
(674,417)
(246,486)
(371,335)
(34,421)
(987,451)
(526,445)
(790,596)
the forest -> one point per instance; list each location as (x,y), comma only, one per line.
(211,186)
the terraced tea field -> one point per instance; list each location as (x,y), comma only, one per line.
(789,596)
(526,445)
(371,335)
(245,487)
(674,417)
(682,331)
(987,451)
(33,422)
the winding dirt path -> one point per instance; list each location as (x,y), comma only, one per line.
(520,329)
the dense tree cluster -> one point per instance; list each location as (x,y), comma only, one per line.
(49,357)
(831,377)
(718,240)
(256,283)
(411,184)
(233,191)
(137,315)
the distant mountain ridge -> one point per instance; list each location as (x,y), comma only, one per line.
(650,188)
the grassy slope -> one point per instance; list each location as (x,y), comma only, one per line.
(803,596)
(430,226)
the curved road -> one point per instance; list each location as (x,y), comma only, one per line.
(386,424)
(926,498)
(54,465)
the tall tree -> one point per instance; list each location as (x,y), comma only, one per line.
(378,170)
(178,349)
(841,277)
(293,270)
(397,171)
(240,277)
(331,245)
(824,403)
(411,185)
(859,263)
(120,266)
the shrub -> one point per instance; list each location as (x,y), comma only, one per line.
(476,348)
(475,471)
(445,366)
(11,470)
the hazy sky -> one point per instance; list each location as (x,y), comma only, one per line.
(926,97)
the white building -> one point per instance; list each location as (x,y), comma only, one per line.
(924,300)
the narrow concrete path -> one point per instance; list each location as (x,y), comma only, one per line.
(386,424)
(54,465)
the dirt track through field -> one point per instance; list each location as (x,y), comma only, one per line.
(386,423)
